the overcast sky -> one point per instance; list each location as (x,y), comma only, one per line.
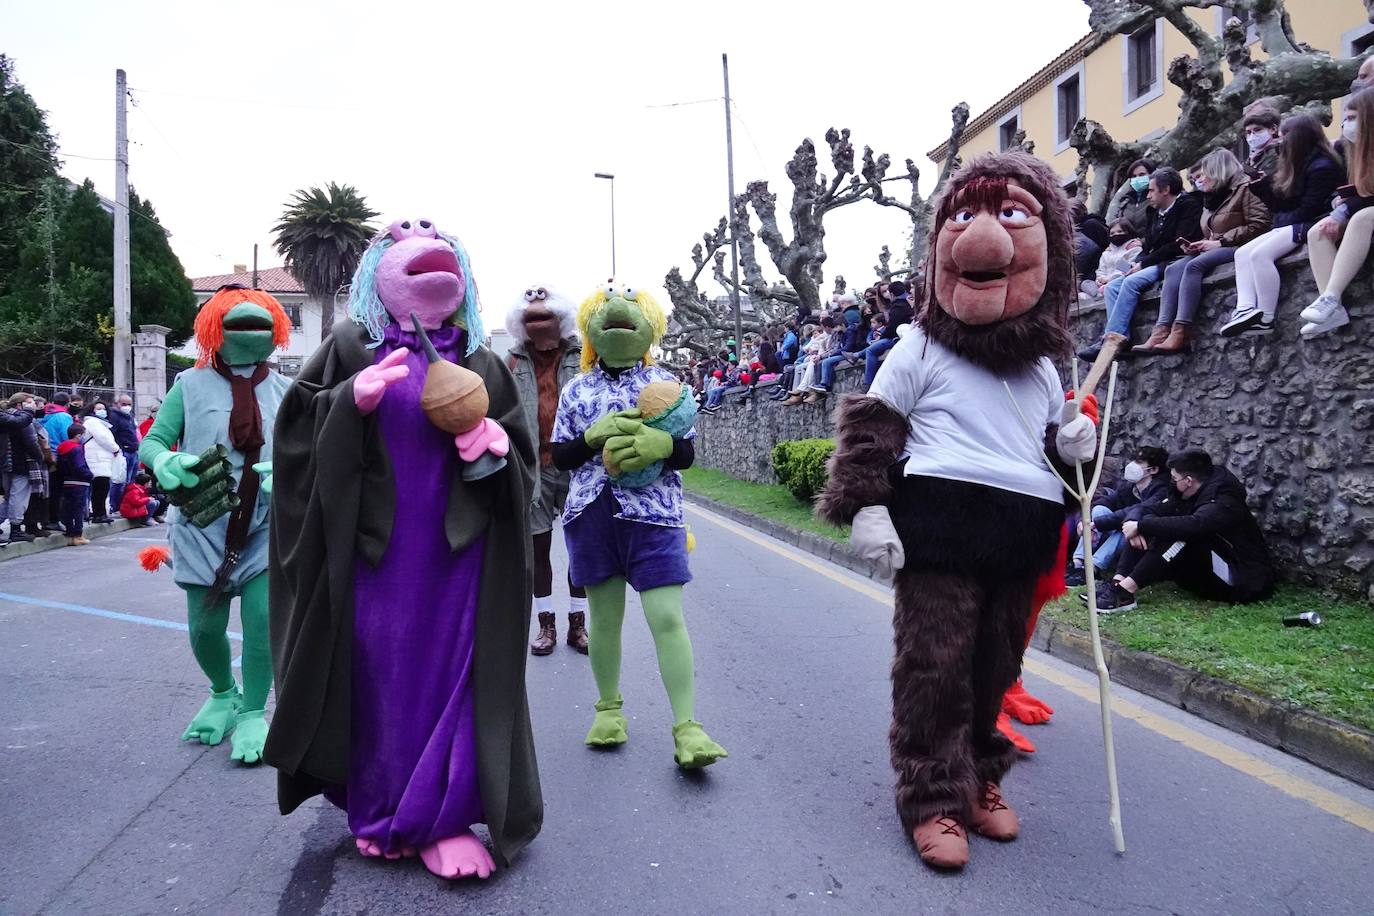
(491,118)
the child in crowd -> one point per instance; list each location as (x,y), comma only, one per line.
(1339,244)
(76,484)
(1120,255)
(137,506)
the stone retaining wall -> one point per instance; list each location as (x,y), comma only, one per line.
(1293,419)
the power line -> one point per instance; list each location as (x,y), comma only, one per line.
(254,102)
(57,155)
(682,104)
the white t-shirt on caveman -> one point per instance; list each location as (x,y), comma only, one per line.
(963,425)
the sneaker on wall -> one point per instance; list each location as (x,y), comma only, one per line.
(1243,320)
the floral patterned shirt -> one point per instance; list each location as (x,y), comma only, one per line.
(588,398)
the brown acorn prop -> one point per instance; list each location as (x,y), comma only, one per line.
(454,398)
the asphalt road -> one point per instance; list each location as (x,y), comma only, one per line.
(102,810)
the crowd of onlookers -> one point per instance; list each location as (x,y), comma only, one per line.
(1176,518)
(1289,186)
(71,461)
(797,362)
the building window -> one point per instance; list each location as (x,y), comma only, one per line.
(294,313)
(1006,131)
(1143,66)
(1068,106)
(1246,18)
(289,366)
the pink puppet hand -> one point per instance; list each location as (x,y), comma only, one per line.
(372,382)
(487,436)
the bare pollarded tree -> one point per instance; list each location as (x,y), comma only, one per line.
(700,321)
(1294,75)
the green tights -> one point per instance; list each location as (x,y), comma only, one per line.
(663,611)
(226,709)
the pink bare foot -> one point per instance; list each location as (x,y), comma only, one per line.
(367,847)
(459,856)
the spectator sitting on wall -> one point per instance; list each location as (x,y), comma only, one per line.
(1234,215)
(1299,195)
(811,352)
(848,339)
(1131,200)
(1175,217)
(1120,255)
(899,312)
(787,350)
(1261,126)
(1339,244)
(789,370)
(1090,238)
(1202,536)
(1143,485)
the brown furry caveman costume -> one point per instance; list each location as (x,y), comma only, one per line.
(947,489)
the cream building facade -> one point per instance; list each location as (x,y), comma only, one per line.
(1120,82)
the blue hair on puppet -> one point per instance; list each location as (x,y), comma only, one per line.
(365,306)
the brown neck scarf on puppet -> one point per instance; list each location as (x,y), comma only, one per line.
(999,275)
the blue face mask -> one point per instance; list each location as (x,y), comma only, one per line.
(1140,183)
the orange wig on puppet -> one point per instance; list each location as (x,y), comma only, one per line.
(210,327)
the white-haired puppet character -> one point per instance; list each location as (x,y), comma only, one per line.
(546,356)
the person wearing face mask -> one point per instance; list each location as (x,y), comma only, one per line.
(1131,200)
(101,453)
(1338,245)
(1299,195)
(125,433)
(1261,127)
(1232,215)
(1120,255)
(56,420)
(40,473)
(1143,485)
(19,453)
(1201,536)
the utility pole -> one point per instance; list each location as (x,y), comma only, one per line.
(121,236)
(730,211)
(255,265)
(611,179)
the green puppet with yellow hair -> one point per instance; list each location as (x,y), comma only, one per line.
(626,527)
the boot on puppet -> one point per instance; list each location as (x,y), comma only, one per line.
(546,356)
(220,415)
(947,491)
(399,570)
(618,534)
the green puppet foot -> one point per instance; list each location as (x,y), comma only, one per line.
(250,734)
(694,747)
(216,717)
(608,728)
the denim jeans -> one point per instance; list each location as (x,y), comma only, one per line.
(130,460)
(828,366)
(16,503)
(1123,295)
(1104,557)
(873,357)
(1182,293)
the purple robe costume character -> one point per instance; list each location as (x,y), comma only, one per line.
(413,776)
(401,605)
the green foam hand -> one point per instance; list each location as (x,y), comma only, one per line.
(173,470)
(640,448)
(264,470)
(613,424)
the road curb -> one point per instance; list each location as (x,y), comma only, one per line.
(1340,747)
(14,551)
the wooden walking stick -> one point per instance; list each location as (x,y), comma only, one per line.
(1084,495)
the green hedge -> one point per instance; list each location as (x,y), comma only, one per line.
(800,465)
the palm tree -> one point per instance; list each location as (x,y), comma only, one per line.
(322,235)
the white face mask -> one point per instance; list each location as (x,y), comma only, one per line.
(100,413)
(126,408)
(1135,472)
(1350,127)
(1258,139)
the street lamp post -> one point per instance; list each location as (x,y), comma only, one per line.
(611,179)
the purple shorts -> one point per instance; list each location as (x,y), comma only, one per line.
(601,546)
